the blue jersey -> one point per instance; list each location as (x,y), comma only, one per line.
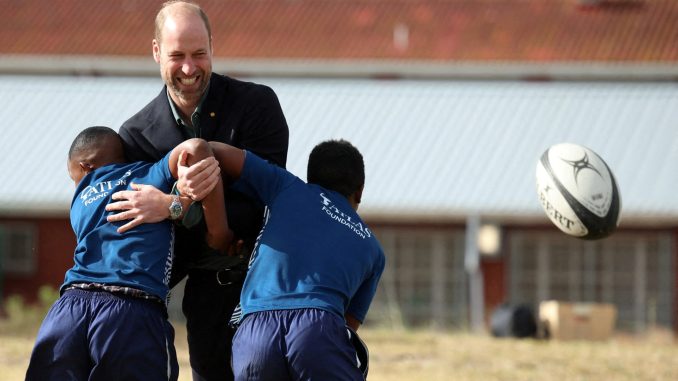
(140,258)
(314,251)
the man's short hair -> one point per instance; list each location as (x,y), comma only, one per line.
(164,12)
(91,137)
(336,165)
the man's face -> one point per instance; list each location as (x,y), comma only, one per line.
(185,57)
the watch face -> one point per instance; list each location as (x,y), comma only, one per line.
(175,209)
(175,212)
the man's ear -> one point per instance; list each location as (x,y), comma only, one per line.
(156,51)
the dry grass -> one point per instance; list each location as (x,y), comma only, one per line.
(427,355)
(437,356)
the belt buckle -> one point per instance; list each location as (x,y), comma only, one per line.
(225,283)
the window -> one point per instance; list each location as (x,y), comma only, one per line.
(632,271)
(424,282)
(17,248)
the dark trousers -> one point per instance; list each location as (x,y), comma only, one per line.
(296,344)
(96,335)
(208,306)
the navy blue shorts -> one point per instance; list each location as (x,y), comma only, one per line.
(90,335)
(300,344)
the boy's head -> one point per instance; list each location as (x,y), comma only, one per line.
(94,147)
(337,165)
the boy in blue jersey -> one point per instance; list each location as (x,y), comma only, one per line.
(314,270)
(110,322)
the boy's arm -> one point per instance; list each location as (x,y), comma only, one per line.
(352,322)
(231,160)
(197,152)
(147,204)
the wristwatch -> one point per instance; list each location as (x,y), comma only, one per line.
(175,208)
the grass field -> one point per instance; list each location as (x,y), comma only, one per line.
(428,355)
(398,355)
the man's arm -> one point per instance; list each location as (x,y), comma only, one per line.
(194,152)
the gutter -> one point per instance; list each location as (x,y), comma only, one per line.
(358,68)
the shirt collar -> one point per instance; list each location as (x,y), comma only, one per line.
(175,110)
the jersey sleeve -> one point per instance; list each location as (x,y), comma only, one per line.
(360,303)
(262,180)
(162,176)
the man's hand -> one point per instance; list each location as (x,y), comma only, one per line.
(143,204)
(198,180)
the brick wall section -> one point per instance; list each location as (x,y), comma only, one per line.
(54,255)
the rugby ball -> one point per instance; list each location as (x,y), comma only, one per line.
(578,192)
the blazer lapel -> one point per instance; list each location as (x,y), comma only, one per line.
(159,119)
(214,112)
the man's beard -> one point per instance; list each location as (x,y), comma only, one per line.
(189,97)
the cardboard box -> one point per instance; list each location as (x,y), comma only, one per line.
(577,321)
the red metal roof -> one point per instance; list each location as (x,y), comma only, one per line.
(460,30)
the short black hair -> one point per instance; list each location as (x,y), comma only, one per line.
(91,137)
(336,165)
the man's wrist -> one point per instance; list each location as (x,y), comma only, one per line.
(192,210)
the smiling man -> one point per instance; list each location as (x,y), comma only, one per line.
(198,103)
(183,49)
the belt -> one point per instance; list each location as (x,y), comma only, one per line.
(115,289)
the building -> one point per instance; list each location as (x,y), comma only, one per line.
(452,104)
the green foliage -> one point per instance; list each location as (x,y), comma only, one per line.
(47,295)
(21,317)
